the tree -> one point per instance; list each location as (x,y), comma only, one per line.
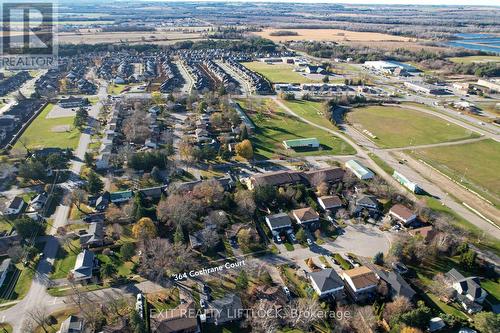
(178,235)
(27,227)
(108,269)
(418,317)
(242,280)
(304,312)
(364,319)
(378,258)
(40,317)
(264,324)
(468,259)
(78,198)
(88,159)
(116,214)
(177,209)
(301,236)
(32,169)
(15,253)
(208,193)
(210,238)
(245,149)
(94,183)
(487,322)
(326,79)
(144,229)
(246,204)
(157,98)
(398,306)
(127,251)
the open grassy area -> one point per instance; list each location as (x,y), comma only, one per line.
(471,59)
(5,327)
(400,127)
(273,125)
(278,73)
(44,132)
(115,89)
(65,259)
(471,163)
(312,111)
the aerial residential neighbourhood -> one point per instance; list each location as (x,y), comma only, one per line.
(237,167)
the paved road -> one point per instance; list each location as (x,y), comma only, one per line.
(37,295)
(188,86)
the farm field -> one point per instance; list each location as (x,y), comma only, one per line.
(399,127)
(472,163)
(273,125)
(278,73)
(52,132)
(471,59)
(312,111)
(126,37)
(335,35)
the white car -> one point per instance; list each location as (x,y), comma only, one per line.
(286,290)
(309,242)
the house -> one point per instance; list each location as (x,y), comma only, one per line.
(330,202)
(402,214)
(73,102)
(224,310)
(152,192)
(469,287)
(4,270)
(368,204)
(360,282)
(305,215)
(121,196)
(359,170)
(102,202)
(327,175)
(278,178)
(396,284)
(94,236)
(182,319)
(85,264)
(15,207)
(327,283)
(301,143)
(39,201)
(312,69)
(427,233)
(278,221)
(72,324)
(436,324)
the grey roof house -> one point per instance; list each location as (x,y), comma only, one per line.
(94,235)
(85,264)
(278,221)
(326,282)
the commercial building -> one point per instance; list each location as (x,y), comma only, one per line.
(406,182)
(359,170)
(425,88)
(301,143)
(492,85)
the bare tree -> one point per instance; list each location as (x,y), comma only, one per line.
(364,319)
(177,209)
(259,321)
(210,238)
(306,312)
(245,202)
(40,317)
(136,127)
(398,306)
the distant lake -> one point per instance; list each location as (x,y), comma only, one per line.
(481,42)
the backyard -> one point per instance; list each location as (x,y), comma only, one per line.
(400,127)
(52,132)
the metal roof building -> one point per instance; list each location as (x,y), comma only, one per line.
(359,170)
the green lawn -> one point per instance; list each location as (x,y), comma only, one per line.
(278,73)
(44,132)
(17,284)
(115,89)
(470,59)
(312,111)
(5,327)
(401,127)
(65,260)
(471,163)
(273,125)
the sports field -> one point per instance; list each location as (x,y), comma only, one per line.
(278,73)
(273,125)
(472,163)
(400,127)
(52,132)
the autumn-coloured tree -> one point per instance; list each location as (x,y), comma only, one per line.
(245,149)
(144,229)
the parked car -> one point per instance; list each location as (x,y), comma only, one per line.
(286,290)
(309,242)
(203,304)
(400,267)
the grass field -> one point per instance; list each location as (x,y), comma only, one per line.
(400,127)
(274,125)
(329,35)
(471,59)
(65,260)
(473,163)
(312,111)
(278,73)
(40,133)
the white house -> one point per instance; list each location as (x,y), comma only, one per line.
(15,207)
